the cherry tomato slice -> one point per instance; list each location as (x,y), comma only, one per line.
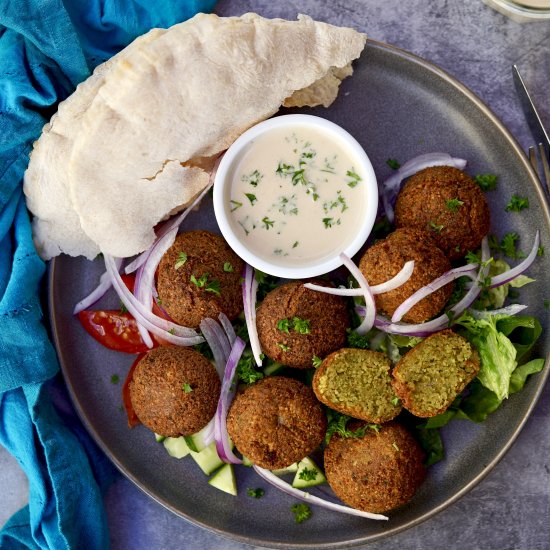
(114,329)
(133,420)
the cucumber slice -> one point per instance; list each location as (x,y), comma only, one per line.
(311,472)
(288,470)
(196,442)
(208,459)
(159,438)
(176,447)
(224,480)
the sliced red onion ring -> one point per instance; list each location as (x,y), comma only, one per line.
(170,228)
(226,397)
(390,187)
(512,309)
(208,432)
(175,334)
(511,274)
(395,282)
(444,320)
(218,342)
(370,306)
(250,289)
(468,270)
(312,499)
(228,327)
(104,285)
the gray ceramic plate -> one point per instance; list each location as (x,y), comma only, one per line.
(397,106)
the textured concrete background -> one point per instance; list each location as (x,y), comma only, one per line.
(510,509)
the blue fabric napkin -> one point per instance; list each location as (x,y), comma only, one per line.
(46,48)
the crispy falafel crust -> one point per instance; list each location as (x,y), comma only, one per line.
(378,472)
(276,422)
(457,227)
(327,315)
(175,391)
(357,382)
(207,253)
(430,376)
(386,258)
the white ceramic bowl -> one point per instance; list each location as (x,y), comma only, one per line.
(226,174)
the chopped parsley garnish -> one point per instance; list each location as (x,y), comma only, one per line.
(253,178)
(395,401)
(283,325)
(284,169)
(172,331)
(298,177)
(115,379)
(301,325)
(180,262)
(453,204)
(246,369)
(355,178)
(200,282)
(296,243)
(301,512)
(284,347)
(328,222)
(316,361)
(251,197)
(337,425)
(540,251)
(472,257)
(123,308)
(287,205)
(209,286)
(308,474)
(508,245)
(267,222)
(214,287)
(235,204)
(435,227)
(517,204)
(255,493)
(228,267)
(186,388)
(394,445)
(357,340)
(393,164)
(487,182)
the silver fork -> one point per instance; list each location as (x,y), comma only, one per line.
(544,173)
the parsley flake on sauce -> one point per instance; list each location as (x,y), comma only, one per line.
(517,204)
(267,222)
(252,198)
(328,222)
(253,178)
(355,178)
(235,205)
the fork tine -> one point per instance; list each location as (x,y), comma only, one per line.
(545,166)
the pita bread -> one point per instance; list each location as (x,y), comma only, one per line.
(137,148)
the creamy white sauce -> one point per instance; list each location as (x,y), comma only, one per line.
(297,196)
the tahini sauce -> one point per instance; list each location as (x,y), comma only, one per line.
(297,196)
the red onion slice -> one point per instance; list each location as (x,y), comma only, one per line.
(221,436)
(512,309)
(370,306)
(172,333)
(451,275)
(390,187)
(312,499)
(511,274)
(104,285)
(218,342)
(391,284)
(250,289)
(228,327)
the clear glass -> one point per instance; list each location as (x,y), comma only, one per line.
(522,10)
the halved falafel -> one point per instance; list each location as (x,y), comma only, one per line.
(295,324)
(276,422)
(430,376)
(199,277)
(174,391)
(448,203)
(377,472)
(357,382)
(386,258)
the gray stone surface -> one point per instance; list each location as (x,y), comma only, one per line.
(510,509)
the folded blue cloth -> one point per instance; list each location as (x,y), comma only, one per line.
(46,48)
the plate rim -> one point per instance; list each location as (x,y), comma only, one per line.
(541,378)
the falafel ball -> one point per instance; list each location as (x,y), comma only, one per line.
(448,203)
(428,377)
(276,422)
(377,472)
(357,382)
(199,277)
(386,258)
(174,391)
(295,324)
